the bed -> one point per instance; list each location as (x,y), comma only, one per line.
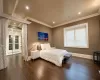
(53,55)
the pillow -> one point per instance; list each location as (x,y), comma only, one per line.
(45,46)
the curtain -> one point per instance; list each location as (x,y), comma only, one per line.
(24,42)
(3,36)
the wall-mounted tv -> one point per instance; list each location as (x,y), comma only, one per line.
(42,36)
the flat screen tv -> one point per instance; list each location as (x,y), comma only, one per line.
(42,36)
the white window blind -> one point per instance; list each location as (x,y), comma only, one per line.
(76,36)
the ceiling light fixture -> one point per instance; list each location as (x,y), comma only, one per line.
(14,23)
(95,4)
(53,22)
(27,7)
(79,13)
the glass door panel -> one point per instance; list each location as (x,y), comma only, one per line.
(10,46)
(16,42)
(10,43)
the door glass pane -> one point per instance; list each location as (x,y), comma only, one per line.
(16,46)
(10,39)
(10,43)
(16,39)
(16,42)
(10,46)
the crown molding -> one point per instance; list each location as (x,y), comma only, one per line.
(14,18)
(40,22)
(82,18)
(37,21)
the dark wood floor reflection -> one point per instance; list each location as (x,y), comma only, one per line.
(75,69)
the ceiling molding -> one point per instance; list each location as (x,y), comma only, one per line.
(1,6)
(82,18)
(14,18)
(37,21)
(16,3)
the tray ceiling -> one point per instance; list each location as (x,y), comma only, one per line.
(49,11)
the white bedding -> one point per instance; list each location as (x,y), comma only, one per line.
(53,55)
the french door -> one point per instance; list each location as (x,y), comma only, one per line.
(14,43)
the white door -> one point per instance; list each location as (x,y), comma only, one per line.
(14,42)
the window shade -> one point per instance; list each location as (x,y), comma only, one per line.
(76,36)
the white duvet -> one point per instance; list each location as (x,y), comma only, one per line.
(53,55)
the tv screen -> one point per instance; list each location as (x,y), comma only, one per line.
(42,36)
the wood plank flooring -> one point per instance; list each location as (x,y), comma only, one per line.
(75,69)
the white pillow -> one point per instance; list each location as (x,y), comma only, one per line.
(45,46)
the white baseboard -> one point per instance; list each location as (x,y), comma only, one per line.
(82,55)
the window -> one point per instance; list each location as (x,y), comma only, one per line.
(76,36)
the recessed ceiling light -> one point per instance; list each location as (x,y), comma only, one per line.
(79,13)
(27,7)
(14,23)
(95,4)
(53,22)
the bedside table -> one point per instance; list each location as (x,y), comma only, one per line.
(35,54)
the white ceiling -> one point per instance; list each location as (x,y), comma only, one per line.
(47,11)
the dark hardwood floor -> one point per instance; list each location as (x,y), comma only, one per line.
(75,69)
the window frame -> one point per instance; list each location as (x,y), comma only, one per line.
(73,28)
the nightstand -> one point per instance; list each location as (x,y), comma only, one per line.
(35,54)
